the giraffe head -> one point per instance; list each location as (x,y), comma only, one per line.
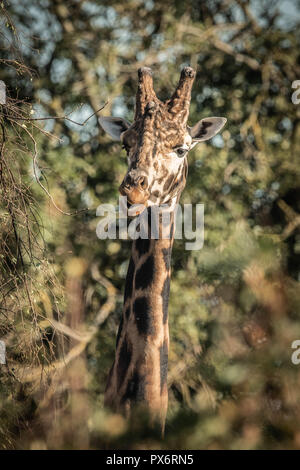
(158,141)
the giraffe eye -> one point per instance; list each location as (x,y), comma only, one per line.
(181,152)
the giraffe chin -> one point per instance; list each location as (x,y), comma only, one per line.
(136,202)
(136,209)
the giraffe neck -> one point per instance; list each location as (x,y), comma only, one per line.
(139,372)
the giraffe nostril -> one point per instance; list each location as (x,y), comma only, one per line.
(143,182)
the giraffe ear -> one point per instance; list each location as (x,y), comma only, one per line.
(114,126)
(206,129)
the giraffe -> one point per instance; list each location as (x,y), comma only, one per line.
(157,144)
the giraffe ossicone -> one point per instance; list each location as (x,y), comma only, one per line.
(157,144)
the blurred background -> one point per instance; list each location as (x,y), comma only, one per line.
(234,305)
